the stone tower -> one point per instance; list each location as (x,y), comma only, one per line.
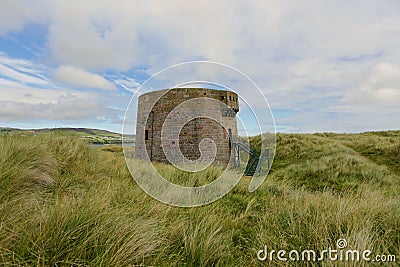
(172,123)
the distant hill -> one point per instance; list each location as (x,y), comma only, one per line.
(95,136)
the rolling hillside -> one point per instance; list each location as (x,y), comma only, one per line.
(93,136)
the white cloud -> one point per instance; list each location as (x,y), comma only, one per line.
(98,35)
(15,14)
(23,71)
(124,34)
(380,91)
(384,75)
(128,84)
(25,103)
(68,110)
(80,78)
(27,95)
(20,76)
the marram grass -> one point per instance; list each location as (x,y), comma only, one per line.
(64,203)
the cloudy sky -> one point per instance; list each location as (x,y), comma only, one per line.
(322,65)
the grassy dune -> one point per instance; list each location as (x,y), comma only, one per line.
(65,203)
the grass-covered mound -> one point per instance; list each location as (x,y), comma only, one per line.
(65,203)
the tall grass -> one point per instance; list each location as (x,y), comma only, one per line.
(64,203)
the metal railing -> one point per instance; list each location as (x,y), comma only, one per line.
(256,161)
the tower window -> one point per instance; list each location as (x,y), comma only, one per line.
(230,138)
(146,135)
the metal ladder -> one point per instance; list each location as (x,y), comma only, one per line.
(256,161)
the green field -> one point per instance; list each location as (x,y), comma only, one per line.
(66,203)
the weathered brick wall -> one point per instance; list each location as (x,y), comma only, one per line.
(195,104)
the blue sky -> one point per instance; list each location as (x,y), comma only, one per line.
(322,65)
